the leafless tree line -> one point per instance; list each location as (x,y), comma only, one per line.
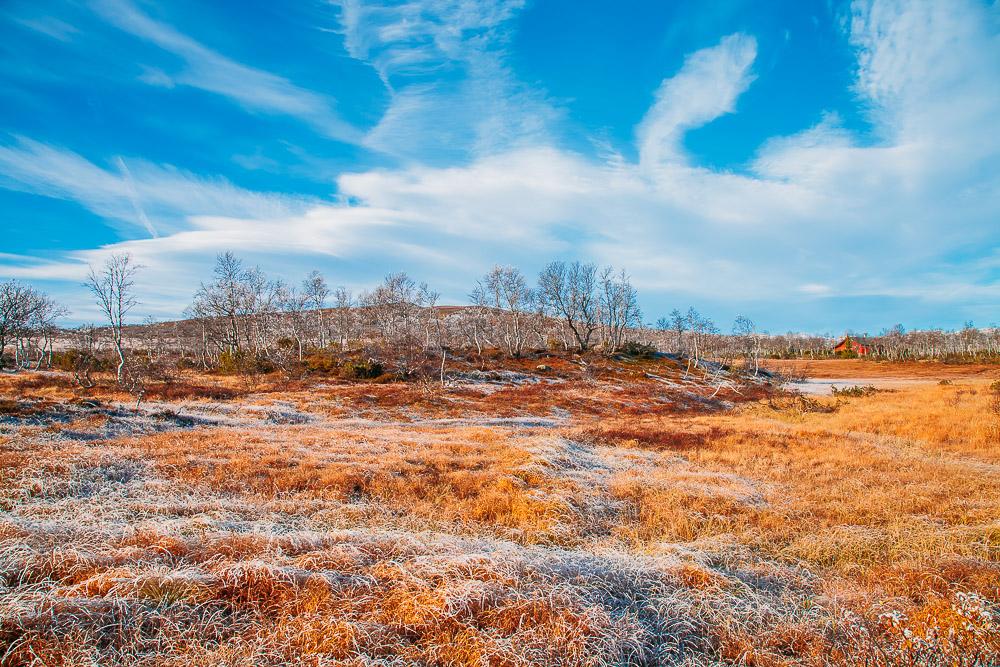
(242,319)
(967,343)
(241,312)
(696,337)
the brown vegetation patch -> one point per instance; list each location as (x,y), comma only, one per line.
(654,434)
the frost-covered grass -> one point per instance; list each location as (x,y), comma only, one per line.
(315,527)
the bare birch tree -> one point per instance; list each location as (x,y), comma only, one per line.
(678,324)
(17,304)
(224,302)
(315,292)
(392,310)
(619,309)
(569,293)
(343,303)
(700,328)
(749,340)
(27,319)
(240,307)
(504,295)
(113,288)
(293,307)
(40,330)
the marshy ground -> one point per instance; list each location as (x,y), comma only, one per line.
(544,513)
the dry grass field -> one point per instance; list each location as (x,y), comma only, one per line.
(911,370)
(600,513)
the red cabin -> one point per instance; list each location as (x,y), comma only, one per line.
(850,344)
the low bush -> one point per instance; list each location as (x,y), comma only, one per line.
(240,362)
(638,350)
(73,360)
(188,364)
(321,361)
(359,370)
(855,392)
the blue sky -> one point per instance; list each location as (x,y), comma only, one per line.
(818,166)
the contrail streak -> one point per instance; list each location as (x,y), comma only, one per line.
(133,196)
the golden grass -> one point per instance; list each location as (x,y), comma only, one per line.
(449,477)
(937,419)
(834,531)
(868,368)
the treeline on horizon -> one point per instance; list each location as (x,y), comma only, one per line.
(243,321)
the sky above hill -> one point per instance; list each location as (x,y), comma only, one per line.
(816,166)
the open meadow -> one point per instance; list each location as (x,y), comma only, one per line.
(550,512)
(500,333)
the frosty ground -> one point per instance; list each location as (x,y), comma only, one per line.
(557,512)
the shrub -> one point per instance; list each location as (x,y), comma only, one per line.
(357,370)
(73,360)
(240,362)
(855,392)
(229,362)
(321,361)
(287,343)
(82,363)
(188,364)
(638,350)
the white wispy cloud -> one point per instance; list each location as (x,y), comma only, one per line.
(929,79)
(133,195)
(51,26)
(410,38)
(443,63)
(706,87)
(208,70)
(929,68)
(820,214)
